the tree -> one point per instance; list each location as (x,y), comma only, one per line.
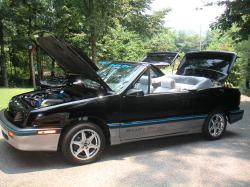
(217,42)
(121,44)
(3,13)
(163,41)
(187,42)
(97,16)
(133,16)
(236,15)
(105,29)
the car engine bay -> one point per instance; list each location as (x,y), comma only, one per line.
(54,96)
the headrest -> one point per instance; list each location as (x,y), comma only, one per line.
(144,80)
(168,83)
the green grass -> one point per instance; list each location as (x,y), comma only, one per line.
(7,93)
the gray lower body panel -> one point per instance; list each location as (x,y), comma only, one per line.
(28,139)
(135,131)
(33,142)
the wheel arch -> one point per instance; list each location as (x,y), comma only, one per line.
(85,119)
(222,109)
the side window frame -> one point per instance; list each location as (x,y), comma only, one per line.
(147,72)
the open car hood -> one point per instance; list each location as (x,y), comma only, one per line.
(161,58)
(71,59)
(210,64)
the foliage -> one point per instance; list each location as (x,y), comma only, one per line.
(244,61)
(187,42)
(233,26)
(236,15)
(224,42)
(163,41)
(104,29)
(120,44)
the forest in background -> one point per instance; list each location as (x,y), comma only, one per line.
(112,30)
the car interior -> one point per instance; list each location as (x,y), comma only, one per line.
(172,83)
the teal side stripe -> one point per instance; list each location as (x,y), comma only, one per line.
(159,121)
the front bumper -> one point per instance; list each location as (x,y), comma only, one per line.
(235,115)
(28,139)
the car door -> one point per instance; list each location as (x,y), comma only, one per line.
(152,114)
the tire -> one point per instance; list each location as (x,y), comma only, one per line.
(215,125)
(80,150)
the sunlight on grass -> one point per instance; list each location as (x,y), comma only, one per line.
(7,93)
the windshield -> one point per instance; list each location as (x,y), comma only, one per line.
(117,75)
(81,80)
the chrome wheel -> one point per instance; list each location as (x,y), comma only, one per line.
(85,144)
(216,125)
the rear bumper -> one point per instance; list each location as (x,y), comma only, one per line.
(28,139)
(235,115)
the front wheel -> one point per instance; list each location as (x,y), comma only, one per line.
(215,126)
(83,143)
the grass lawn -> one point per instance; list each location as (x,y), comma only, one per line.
(7,93)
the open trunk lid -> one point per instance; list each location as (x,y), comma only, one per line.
(210,64)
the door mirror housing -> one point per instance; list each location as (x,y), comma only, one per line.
(134,93)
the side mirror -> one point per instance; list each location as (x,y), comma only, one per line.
(134,93)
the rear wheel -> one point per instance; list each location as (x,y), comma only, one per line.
(215,125)
(83,143)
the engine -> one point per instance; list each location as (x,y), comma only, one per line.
(47,98)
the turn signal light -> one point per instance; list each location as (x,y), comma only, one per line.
(46,132)
(10,134)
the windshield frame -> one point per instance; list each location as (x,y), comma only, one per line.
(138,69)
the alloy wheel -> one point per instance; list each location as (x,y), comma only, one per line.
(85,144)
(216,125)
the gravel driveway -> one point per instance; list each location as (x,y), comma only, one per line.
(183,161)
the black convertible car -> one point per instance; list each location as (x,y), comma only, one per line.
(125,102)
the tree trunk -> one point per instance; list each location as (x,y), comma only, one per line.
(52,67)
(30,50)
(30,67)
(93,45)
(32,70)
(39,65)
(92,30)
(2,57)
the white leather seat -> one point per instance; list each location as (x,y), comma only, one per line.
(167,85)
(191,82)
